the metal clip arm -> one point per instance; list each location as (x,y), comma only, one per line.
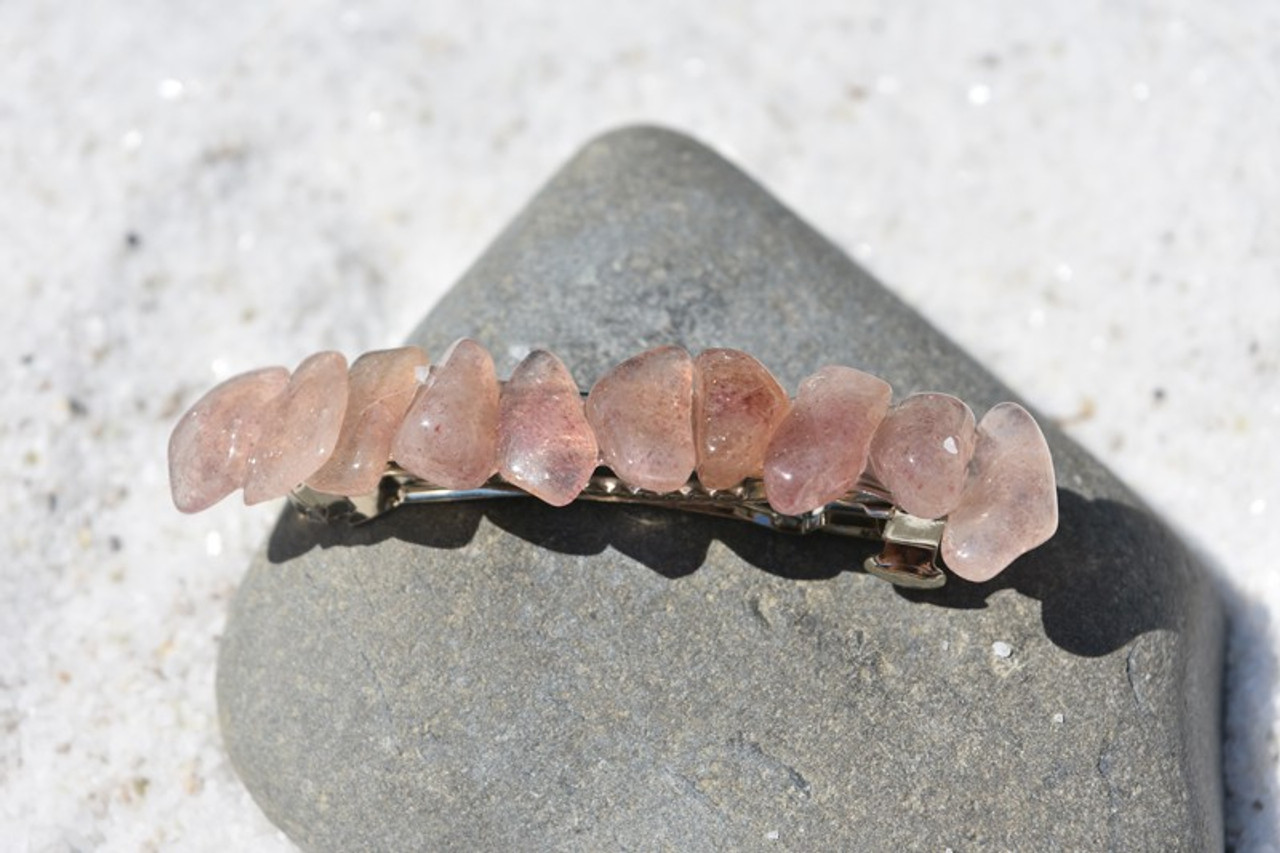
(907,559)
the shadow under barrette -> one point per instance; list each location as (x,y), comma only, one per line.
(1108,576)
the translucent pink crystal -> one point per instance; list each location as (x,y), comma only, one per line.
(1010,503)
(300,428)
(449,436)
(737,404)
(545,445)
(382,385)
(921,453)
(820,448)
(642,414)
(210,447)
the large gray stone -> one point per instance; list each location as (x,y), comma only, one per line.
(513,676)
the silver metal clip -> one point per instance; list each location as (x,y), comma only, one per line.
(908,559)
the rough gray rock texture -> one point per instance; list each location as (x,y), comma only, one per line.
(511,676)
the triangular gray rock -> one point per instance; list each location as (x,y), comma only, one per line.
(512,676)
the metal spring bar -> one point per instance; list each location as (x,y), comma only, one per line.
(908,559)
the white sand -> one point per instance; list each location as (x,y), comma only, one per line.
(1085,198)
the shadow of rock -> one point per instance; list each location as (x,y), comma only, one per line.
(1249,713)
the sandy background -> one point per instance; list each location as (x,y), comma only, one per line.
(1083,194)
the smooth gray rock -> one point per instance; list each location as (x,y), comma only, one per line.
(511,676)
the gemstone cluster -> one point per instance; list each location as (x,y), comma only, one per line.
(656,420)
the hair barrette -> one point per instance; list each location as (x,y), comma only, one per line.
(711,434)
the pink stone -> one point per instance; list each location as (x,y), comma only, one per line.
(921,453)
(449,436)
(737,404)
(382,385)
(820,448)
(545,445)
(642,414)
(300,428)
(1010,503)
(210,447)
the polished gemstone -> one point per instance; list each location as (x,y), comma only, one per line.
(545,445)
(820,448)
(382,384)
(921,453)
(737,404)
(210,447)
(300,428)
(449,436)
(1010,502)
(642,414)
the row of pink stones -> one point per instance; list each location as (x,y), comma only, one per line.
(654,420)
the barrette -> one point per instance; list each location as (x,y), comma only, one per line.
(713,434)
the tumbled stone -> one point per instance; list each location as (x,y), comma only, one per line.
(210,446)
(382,384)
(449,436)
(921,453)
(300,428)
(545,445)
(737,404)
(642,414)
(820,448)
(1010,502)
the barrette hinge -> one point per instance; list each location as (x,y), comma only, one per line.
(909,556)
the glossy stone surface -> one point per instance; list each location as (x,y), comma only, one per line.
(642,415)
(921,452)
(545,445)
(737,405)
(821,446)
(300,428)
(449,436)
(210,446)
(1010,502)
(382,384)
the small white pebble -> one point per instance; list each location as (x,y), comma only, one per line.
(1058,718)
(170,89)
(949,445)
(1001,649)
(771,835)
